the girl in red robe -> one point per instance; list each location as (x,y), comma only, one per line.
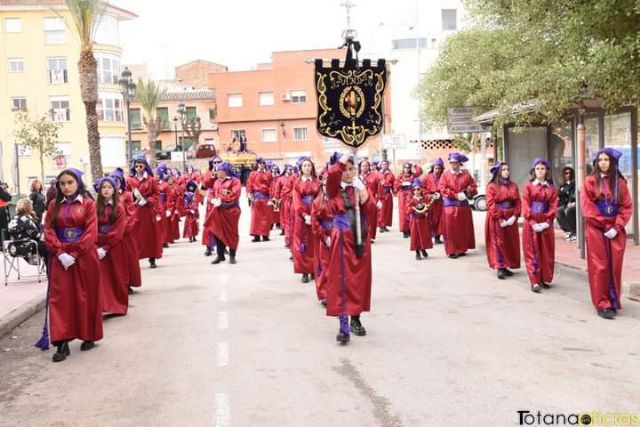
(225,214)
(258,187)
(607,207)
(286,191)
(371,179)
(457,187)
(321,225)
(165,203)
(273,190)
(417,207)
(349,272)
(430,184)
(134,277)
(305,190)
(207,184)
(111,252)
(71,231)
(403,190)
(539,205)
(191,227)
(145,192)
(385,197)
(502,238)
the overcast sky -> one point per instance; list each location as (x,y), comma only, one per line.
(241,33)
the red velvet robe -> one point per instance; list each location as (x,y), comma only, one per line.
(208,182)
(539,248)
(503,244)
(74,294)
(286,219)
(273,191)
(114,293)
(458,220)
(321,225)
(166,198)
(134,277)
(223,220)
(372,181)
(304,192)
(191,227)
(436,212)
(604,255)
(349,277)
(402,188)
(385,195)
(259,184)
(149,235)
(177,206)
(418,224)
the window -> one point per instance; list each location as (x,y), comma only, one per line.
(135,119)
(108,68)
(57,70)
(163,113)
(12,25)
(449,20)
(54,31)
(192,113)
(300,134)
(266,98)
(268,135)
(408,43)
(16,65)
(111,103)
(136,146)
(19,104)
(298,96)
(60,111)
(212,114)
(234,100)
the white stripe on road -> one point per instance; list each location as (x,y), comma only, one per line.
(223,297)
(223,320)
(223,412)
(223,354)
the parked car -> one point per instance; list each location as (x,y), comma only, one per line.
(479,202)
(166,153)
(205,151)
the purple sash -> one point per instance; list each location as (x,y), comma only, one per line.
(307,200)
(455,203)
(104,228)
(341,222)
(327,224)
(229,205)
(261,196)
(539,207)
(607,208)
(387,190)
(69,234)
(507,204)
(163,196)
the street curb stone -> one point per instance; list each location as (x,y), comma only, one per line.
(15,318)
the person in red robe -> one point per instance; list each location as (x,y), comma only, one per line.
(225,214)
(502,238)
(165,203)
(305,190)
(418,207)
(371,179)
(277,197)
(207,185)
(607,208)
(176,184)
(191,226)
(430,184)
(145,192)
(539,205)
(273,190)
(286,219)
(71,231)
(258,187)
(349,272)
(403,189)
(134,276)
(457,186)
(112,221)
(385,197)
(321,225)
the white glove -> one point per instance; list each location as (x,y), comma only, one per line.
(435,196)
(307,219)
(504,223)
(142,202)
(158,218)
(66,260)
(611,233)
(167,213)
(511,220)
(358,184)
(216,202)
(544,225)
(137,194)
(192,212)
(540,227)
(212,201)
(327,241)
(461,196)
(101,253)
(269,203)
(379,204)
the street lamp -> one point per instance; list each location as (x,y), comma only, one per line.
(175,128)
(128,88)
(182,112)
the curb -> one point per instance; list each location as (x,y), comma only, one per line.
(20,315)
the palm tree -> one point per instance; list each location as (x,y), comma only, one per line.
(148,95)
(85,15)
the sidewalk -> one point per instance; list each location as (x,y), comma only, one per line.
(21,299)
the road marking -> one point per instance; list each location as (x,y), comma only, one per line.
(223,320)
(223,412)
(223,354)
(224,296)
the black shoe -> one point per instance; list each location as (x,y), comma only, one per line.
(130,291)
(62,352)
(406,234)
(453,256)
(87,345)
(535,288)
(256,239)
(382,230)
(386,230)
(305,278)
(418,256)
(282,232)
(356,327)
(152,263)
(207,252)
(615,312)
(438,240)
(607,313)
(165,245)
(425,255)
(232,260)
(546,285)
(507,272)
(462,254)
(501,275)
(342,338)
(323,302)
(218,259)
(265,238)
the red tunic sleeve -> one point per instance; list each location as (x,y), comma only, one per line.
(115,234)
(492,209)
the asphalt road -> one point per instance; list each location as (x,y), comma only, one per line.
(249,345)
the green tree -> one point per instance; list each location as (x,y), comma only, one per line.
(148,95)
(40,135)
